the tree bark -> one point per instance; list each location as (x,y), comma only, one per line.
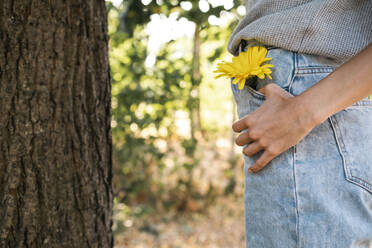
(195,89)
(55,114)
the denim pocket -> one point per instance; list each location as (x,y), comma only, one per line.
(352,128)
(353,131)
(255,93)
(252,82)
(247,99)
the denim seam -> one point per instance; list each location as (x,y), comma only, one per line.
(255,94)
(340,144)
(313,70)
(317,66)
(361,103)
(342,150)
(362,183)
(296,201)
(293,73)
(349,175)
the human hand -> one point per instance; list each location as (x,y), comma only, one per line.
(278,124)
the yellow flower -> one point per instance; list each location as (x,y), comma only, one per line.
(246,65)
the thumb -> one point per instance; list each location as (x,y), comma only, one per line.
(273,89)
(263,89)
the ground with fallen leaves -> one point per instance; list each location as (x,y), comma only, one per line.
(222,225)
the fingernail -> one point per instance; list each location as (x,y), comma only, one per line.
(250,170)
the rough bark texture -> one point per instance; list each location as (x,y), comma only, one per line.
(55,136)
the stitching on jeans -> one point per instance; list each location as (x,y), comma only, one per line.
(361,103)
(361,182)
(256,94)
(339,144)
(342,150)
(314,69)
(293,73)
(296,203)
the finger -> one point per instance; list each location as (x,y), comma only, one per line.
(243,139)
(243,123)
(261,162)
(262,90)
(252,148)
(239,125)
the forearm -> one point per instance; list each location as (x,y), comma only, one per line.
(348,84)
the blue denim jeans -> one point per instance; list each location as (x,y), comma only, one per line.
(318,193)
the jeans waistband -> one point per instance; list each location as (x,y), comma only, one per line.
(287,64)
(293,59)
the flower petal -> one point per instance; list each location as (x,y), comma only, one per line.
(248,64)
(241,84)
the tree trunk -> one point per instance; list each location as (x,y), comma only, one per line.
(55,114)
(195,89)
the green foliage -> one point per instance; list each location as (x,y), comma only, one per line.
(154,165)
(143,103)
(136,13)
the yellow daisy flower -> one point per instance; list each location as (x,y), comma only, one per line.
(246,65)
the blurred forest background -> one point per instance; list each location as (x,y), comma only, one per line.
(178,176)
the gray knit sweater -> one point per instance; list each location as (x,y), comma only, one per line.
(337,29)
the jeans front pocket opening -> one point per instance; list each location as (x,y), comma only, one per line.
(256,93)
(357,162)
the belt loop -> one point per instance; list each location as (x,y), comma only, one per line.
(295,61)
(294,70)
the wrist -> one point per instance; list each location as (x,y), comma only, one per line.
(308,116)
